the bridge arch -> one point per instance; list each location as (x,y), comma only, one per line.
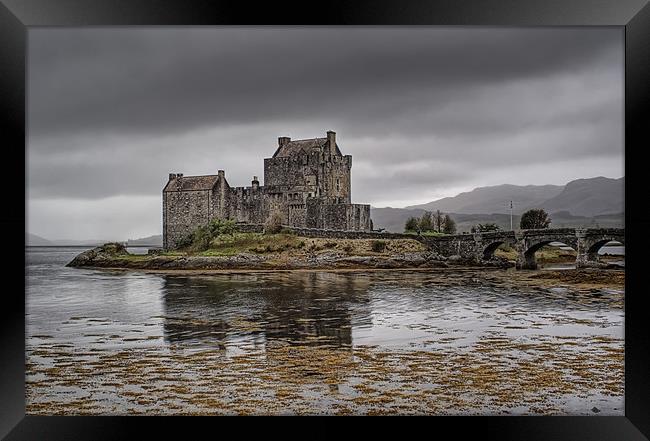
(489,247)
(592,243)
(533,240)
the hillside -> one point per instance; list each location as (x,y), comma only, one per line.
(580,203)
(495,199)
(33,240)
(392,219)
(588,197)
(156,240)
(582,197)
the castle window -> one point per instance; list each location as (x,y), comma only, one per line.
(338,184)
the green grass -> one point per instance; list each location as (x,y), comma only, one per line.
(230,245)
(133,257)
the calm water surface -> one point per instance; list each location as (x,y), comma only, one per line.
(298,320)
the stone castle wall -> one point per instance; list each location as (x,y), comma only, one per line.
(328,215)
(329,234)
(184,212)
(307,183)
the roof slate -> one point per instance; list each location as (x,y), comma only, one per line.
(188,183)
(294,147)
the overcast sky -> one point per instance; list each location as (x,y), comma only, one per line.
(425,112)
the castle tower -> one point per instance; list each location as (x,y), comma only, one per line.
(307,181)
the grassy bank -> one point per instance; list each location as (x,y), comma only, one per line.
(291,244)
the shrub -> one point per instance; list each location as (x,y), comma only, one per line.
(114,248)
(273,224)
(378,246)
(222,226)
(202,238)
(185,241)
(485,228)
(329,245)
(412,224)
(426,221)
(286,230)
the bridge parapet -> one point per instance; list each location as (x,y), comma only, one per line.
(589,232)
(481,246)
(496,235)
(546,232)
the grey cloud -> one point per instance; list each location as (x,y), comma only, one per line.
(169,80)
(112,111)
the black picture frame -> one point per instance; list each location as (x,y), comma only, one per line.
(17,16)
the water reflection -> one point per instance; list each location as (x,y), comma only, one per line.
(107,342)
(300,308)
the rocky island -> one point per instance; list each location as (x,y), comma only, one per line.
(282,251)
(288,251)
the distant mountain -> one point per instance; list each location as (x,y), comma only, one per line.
(392,219)
(495,199)
(588,197)
(80,243)
(156,240)
(583,202)
(33,240)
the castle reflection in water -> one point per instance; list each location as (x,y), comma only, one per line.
(305,308)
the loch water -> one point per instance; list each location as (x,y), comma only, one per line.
(344,341)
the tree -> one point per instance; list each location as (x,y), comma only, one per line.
(438,219)
(485,228)
(534,219)
(426,221)
(411,224)
(449,225)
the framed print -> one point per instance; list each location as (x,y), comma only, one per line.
(416,209)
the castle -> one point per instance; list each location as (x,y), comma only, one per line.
(307,182)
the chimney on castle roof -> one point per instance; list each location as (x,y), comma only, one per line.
(282,140)
(255,183)
(172,176)
(221,174)
(331,141)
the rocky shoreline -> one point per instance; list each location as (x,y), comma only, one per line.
(115,256)
(111,256)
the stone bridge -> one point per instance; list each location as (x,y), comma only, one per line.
(481,246)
